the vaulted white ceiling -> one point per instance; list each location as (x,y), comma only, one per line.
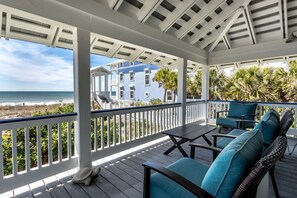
(215,26)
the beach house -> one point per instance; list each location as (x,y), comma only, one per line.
(187,35)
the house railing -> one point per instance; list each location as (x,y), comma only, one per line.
(112,130)
(38,147)
(213,106)
(195,110)
(32,149)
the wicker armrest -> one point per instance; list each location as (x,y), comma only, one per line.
(196,145)
(190,186)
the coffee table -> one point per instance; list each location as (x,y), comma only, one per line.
(187,133)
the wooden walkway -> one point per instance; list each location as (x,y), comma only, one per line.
(123,177)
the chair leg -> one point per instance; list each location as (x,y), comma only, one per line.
(271,172)
(293,149)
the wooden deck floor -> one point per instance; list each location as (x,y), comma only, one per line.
(123,177)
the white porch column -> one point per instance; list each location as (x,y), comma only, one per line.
(205,88)
(81,55)
(182,88)
(99,82)
(106,83)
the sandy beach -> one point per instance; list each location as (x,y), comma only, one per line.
(19,111)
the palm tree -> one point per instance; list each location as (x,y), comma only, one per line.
(253,83)
(168,80)
(290,84)
(217,84)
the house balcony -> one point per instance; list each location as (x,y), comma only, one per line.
(131,136)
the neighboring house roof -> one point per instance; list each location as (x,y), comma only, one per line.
(100,70)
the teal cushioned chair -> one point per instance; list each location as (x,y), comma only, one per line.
(268,125)
(237,112)
(220,179)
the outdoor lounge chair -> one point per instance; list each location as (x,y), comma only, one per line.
(271,128)
(237,112)
(190,178)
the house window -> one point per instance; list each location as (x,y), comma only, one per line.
(169,96)
(121,77)
(121,92)
(132,75)
(147,74)
(132,92)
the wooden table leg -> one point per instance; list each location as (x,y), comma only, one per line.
(207,140)
(176,145)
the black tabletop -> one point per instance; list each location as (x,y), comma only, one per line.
(190,131)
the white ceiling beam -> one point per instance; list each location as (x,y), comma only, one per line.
(249,23)
(178,12)
(93,42)
(193,22)
(135,55)
(114,50)
(151,58)
(281,18)
(286,29)
(115,4)
(219,19)
(227,41)
(253,52)
(224,30)
(96,18)
(147,9)
(163,61)
(53,36)
(7,25)
(1,24)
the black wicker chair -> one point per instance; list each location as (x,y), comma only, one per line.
(247,188)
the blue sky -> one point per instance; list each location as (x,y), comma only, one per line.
(28,66)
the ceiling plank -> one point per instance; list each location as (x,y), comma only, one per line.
(223,31)
(253,52)
(178,12)
(115,4)
(249,23)
(147,9)
(204,12)
(226,13)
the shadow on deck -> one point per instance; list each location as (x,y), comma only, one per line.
(123,177)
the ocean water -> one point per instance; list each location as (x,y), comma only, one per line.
(34,97)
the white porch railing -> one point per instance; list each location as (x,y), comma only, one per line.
(122,127)
(195,110)
(214,106)
(31,149)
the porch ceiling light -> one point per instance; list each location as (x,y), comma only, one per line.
(293,37)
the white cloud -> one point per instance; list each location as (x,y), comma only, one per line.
(28,62)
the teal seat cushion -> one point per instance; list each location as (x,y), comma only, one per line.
(228,122)
(232,164)
(192,170)
(223,142)
(237,110)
